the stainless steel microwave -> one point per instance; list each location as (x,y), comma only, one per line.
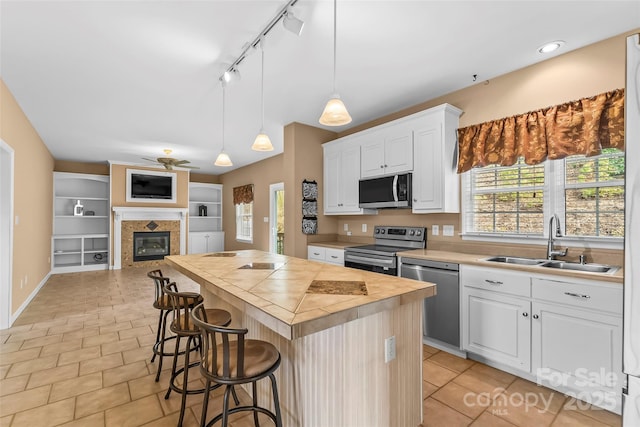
(393,191)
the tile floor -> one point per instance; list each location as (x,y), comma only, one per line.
(79,355)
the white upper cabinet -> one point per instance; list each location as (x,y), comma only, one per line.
(386,151)
(436,185)
(341,176)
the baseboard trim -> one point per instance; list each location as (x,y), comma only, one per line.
(31,296)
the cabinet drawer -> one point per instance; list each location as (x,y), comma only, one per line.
(496,280)
(590,296)
(334,256)
(316,253)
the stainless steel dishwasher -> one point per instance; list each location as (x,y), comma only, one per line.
(442,311)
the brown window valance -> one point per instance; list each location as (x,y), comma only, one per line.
(243,194)
(585,126)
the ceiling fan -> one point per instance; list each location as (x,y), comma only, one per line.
(169,162)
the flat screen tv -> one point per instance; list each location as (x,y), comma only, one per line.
(151,186)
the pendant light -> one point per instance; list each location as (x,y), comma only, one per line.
(262,142)
(223,158)
(335,113)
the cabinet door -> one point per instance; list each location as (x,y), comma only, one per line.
(215,242)
(497,327)
(427,174)
(332,171)
(348,182)
(198,243)
(372,156)
(398,150)
(578,350)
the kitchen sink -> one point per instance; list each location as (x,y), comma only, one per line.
(515,260)
(576,266)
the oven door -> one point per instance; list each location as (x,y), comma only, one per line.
(384,264)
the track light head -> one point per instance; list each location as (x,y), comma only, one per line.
(293,24)
(230,76)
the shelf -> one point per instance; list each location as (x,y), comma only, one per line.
(67,253)
(81,216)
(204,217)
(96,251)
(67,264)
(204,202)
(99,199)
(79,236)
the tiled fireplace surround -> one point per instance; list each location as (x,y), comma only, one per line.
(128,220)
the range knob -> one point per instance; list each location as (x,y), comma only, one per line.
(382,231)
(377,231)
(412,232)
(419,233)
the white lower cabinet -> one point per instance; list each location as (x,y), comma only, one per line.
(565,334)
(201,242)
(324,254)
(497,327)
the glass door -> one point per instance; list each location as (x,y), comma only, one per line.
(276,218)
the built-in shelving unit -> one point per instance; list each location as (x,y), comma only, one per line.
(80,242)
(205,218)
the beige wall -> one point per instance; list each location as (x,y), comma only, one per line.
(582,73)
(261,175)
(81,167)
(33,199)
(119,188)
(303,160)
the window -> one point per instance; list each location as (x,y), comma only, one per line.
(244,222)
(586,192)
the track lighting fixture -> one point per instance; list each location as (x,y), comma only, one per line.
(291,23)
(262,142)
(223,158)
(231,75)
(335,113)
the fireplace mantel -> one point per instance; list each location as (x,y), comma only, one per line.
(128,213)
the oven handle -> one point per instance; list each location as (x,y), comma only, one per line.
(350,257)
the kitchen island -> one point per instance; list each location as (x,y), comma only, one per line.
(330,324)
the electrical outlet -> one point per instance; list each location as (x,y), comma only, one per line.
(265,219)
(364,228)
(349,233)
(447,230)
(17,220)
(346,227)
(26,279)
(389,349)
(21,283)
(435,230)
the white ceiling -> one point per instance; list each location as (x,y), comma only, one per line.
(122,80)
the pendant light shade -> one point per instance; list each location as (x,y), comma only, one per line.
(223,158)
(335,113)
(262,142)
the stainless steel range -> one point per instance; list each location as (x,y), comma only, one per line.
(381,256)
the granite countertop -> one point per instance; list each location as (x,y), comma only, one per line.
(293,296)
(475,259)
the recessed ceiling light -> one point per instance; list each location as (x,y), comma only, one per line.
(551,46)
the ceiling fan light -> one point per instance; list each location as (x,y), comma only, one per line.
(335,113)
(262,142)
(293,24)
(223,160)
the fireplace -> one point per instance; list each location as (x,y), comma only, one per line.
(150,245)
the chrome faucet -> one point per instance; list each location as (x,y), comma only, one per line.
(551,253)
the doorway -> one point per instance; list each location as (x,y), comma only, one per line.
(276,218)
(6,232)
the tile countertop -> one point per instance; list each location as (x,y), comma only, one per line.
(475,259)
(296,297)
(335,244)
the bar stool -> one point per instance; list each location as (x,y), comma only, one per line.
(232,362)
(163,303)
(183,326)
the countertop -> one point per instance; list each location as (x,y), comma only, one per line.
(293,296)
(335,244)
(475,259)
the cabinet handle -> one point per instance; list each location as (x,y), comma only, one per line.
(316,253)
(535,316)
(525,314)
(571,294)
(381,166)
(493,282)
(333,256)
(386,166)
(415,200)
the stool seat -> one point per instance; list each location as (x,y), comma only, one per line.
(164,302)
(184,325)
(259,357)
